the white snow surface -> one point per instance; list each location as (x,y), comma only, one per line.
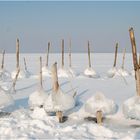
(22,74)
(59,101)
(4,75)
(37,98)
(100,103)
(91,72)
(131,107)
(46,71)
(25,124)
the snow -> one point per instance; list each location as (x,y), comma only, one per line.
(5,98)
(22,74)
(131,108)
(90,72)
(122,72)
(59,102)
(112,72)
(100,103)
(25,124)
(4,75)
(63,73)
(37,98)
(46,71)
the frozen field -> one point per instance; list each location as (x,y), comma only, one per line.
(25,124)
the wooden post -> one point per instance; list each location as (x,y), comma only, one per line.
(25,65)
(123,58)
(116,51)
(17,53)
(62,53)
(135,60)
(99,117)
(47,59)
(59,114)
(40,75)
(55,77)
(2,63)
(89,61)
(70,54)
(15,79)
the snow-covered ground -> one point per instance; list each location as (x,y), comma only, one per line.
(22,123)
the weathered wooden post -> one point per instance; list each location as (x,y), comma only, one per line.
(99,117)
(89,60)
(40,75)
(123,58)
(47,58)
(15,79)
(59,114)
(70,53)
(62,53)
(135,60)
(116,51)
(17,53)
(2,63)
(25,65)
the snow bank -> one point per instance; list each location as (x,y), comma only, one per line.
(131,108)
(22,74)
(63,73)
(4,75)
(112,72)
(46,71)
(71,72)
(59,102)
(37,98)
(91,72)
(100,103)
(122,72)
(5,98)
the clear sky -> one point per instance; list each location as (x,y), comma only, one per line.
(36,23)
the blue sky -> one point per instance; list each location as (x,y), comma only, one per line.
(35,23)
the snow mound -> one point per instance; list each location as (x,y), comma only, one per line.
(131,108)
(112,72)
(100,103)
(37,98)
(91,72)
(63,73)
(5,98)
(59,102)
(22,74)
(4,75)
(38,113)
(46,71)
(122,72)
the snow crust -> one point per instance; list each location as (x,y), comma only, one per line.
(100,103)
(22,74)
(5,98)
(90,72)
(4,75)
(63,73)
(59,102)
(131,108)
(46,71)
(37,98)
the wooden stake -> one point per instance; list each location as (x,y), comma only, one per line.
(41,83)
(89,61)
(99,117)
(25,65)
(135,60)
(2,63)
(17,53)
(15,79)
(123,58)
(47,59)
(55,77)
(59,114)
(62,53)
(70,54)
(116,51)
